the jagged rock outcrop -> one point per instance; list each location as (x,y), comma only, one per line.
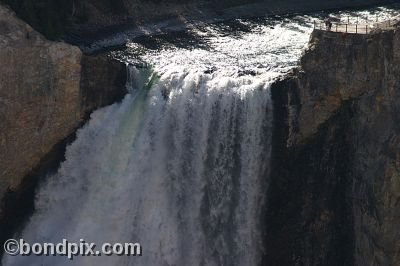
(47,89)
(335,193)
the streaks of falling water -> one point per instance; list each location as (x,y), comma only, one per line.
(181,174)
(181,165)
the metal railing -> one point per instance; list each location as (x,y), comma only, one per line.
(357,28)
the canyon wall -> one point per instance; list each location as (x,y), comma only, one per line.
(47,89)
(335,192)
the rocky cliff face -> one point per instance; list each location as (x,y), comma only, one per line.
(39,89)
(335,192)
(46,91)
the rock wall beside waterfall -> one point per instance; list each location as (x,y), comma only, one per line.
(335,192)
(46,91)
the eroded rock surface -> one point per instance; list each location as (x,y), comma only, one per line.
(335,193)
(46,90)
(39,96)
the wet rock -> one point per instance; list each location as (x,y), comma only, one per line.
(247,72)
(210,70)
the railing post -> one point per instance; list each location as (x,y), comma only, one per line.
(356,28)
(346,28)
(336,26)
(314,24)
(366,29)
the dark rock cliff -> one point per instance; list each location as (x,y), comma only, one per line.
(335,192)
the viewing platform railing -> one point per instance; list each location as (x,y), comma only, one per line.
(358,28)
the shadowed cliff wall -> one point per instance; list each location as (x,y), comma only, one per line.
(334,197)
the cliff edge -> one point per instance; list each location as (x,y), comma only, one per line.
(335,192)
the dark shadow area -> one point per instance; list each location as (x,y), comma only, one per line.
(51,18)
(309,218)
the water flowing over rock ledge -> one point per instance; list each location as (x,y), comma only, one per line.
(334,193)
(335,189)
(47,90)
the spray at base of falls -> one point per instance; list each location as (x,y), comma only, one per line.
(180,166)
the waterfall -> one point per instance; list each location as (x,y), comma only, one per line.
(180,166)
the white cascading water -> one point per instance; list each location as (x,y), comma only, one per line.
(183,176)
(181,165)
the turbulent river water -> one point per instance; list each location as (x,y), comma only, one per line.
(181,165)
